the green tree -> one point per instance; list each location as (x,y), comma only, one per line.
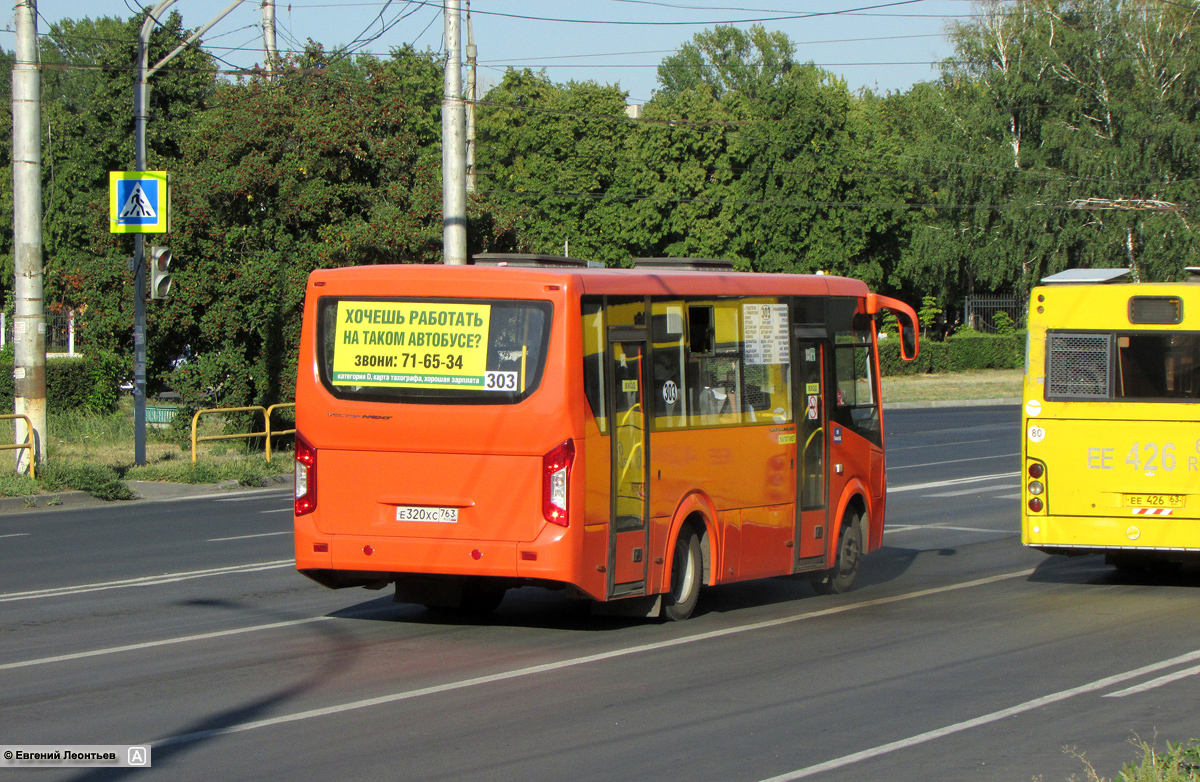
(313,169)
(727,60)
(547,156)
(87,126)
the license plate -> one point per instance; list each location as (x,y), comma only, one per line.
(427,514)
(1154,500)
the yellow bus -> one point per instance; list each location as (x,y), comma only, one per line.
(1111,426)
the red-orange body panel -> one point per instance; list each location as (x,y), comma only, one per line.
(485,460)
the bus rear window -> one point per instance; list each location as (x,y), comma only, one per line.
(1150,366)
(1162,365)
(432,350)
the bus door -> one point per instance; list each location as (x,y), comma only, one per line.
(811,417)
(628,528)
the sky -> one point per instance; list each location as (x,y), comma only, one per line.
(881,44)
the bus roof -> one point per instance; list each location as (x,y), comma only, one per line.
(378,280)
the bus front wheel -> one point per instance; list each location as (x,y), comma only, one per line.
(686,574)
(849,554)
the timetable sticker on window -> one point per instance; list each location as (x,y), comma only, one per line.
(765,333)
(415,345)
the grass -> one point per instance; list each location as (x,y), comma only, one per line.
(1179,763)
(95,453)
(980,384)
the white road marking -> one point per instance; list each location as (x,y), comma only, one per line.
(164,642)
(244,537)
(165,578)
(978,490)
(941,445)
(573,662)
(1007,497)
(954,461)
(952,482)
(1153,683)
(15,535)
(911,527)
(995,716)
(288,509)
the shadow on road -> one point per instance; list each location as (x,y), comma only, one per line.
(1092,569)
(344,649)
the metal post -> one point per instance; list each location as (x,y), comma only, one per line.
(268,25)
(140,101)
(29,323)
(454,153)
(471,98)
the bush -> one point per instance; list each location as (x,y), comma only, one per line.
(98,480)
(961,352)
(248,472)
(88,382)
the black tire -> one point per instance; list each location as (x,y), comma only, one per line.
(687,572)
(840,579)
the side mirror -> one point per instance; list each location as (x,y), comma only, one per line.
(906,320)
(908,339)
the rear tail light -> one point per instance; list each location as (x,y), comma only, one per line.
(556,477)
(306,476)
(1036,485)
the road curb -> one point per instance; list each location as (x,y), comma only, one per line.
(1006,402)
(146,491)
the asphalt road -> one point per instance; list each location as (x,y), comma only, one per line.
(959,655)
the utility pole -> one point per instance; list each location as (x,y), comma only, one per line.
(29,325)
(140,109)
(471,97)
(268,26)
(454,153)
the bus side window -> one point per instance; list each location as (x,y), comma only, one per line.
(670,350)
(856,405)
(593,359)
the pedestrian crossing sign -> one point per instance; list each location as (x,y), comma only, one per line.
(138,202)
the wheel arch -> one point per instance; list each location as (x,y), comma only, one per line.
(854,497)
(696,509)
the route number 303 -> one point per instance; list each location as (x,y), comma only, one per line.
(500,381)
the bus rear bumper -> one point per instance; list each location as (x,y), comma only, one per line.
(1083,534)
(350,560)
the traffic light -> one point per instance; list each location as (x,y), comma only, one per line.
(160,272)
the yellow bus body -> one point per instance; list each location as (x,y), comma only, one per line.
(1120,471)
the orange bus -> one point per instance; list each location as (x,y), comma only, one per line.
(625,434)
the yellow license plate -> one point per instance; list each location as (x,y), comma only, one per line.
(1154,500)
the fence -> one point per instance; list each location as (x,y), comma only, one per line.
(62,332)
(979,312)
(267,432)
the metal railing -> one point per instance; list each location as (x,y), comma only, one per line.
(980,311)
(266,432)
(22,446)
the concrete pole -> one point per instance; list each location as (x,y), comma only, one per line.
(29,325)
(268,25)
(471,98)
(454,152)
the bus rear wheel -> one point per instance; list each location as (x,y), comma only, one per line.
(849,554)
(686,575)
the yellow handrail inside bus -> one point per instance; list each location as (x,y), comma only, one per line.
(28,440)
